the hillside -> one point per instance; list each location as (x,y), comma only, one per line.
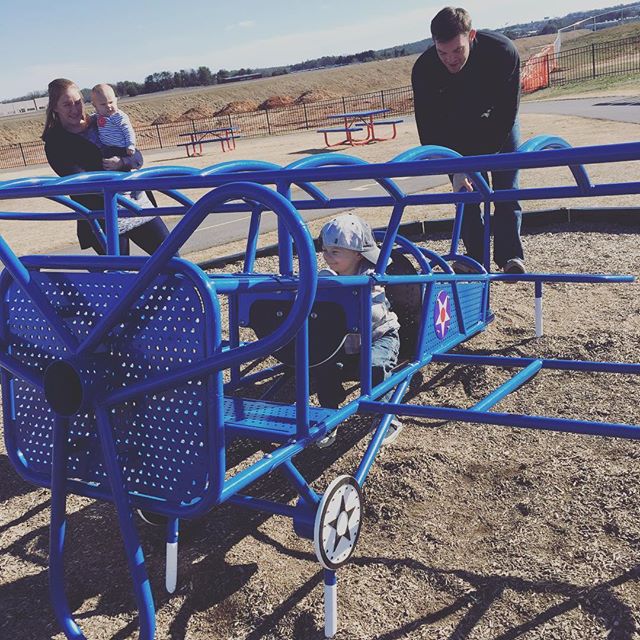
(340,81)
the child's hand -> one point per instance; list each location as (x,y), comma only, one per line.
(131,151)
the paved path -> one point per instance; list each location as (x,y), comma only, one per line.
(620,109)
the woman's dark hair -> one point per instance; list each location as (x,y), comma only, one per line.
(449,23)
(56,88)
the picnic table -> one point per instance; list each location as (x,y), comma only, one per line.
(226,136)
(356,121)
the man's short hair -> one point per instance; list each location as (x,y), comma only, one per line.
(449,23)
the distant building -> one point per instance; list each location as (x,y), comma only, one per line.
(23,106)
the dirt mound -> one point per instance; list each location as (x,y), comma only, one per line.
(277,102)
(315,96)
(163,118)
(238,106)
(195,113)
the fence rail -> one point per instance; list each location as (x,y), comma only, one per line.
(607,58)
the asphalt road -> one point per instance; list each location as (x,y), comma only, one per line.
(219,229)
(619,109)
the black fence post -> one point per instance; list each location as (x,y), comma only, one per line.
(593,59)
(546,60)
(24,160)
(306,117)
(382,98)
(159,136)
(266,113)
(344,105)
(230,123)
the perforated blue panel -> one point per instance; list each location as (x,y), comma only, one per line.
(162,441)
(266,420)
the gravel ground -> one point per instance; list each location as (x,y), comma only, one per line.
(469,531)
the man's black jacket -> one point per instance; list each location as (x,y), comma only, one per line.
(474,110)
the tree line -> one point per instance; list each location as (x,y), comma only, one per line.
(203,76)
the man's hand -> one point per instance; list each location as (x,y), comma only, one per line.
(461,182)
(112,164)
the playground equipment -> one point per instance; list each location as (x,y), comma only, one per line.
(113,367)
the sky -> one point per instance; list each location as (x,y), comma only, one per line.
(91,42)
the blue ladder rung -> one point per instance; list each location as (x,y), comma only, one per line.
(264,420)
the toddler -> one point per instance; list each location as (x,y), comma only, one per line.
(117,138)
(349,248)
(114,127)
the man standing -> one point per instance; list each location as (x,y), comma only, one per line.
(466,90)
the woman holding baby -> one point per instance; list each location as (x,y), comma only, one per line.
(73,145)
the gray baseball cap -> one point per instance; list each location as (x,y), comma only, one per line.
(351,232)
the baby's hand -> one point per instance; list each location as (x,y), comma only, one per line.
(131,151)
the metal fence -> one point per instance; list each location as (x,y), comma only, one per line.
(254,124)
(596,60)
(607,58)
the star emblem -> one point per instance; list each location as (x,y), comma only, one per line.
(341,524)
(442,315)
(337,522)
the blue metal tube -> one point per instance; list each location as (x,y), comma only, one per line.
(173,530)
(376,442)
(266,506)
(133,549)
(492,162)
(57,594)
(285,246)
(565,425)
(265,465)
(365,338)
(252,239)
(302,380)
(300,484)
(227,283)
(511,385)
(234,334)
(457,228)
(13,265)
(544,142)
(547,363)
(31,375)
(111,222)
(390,236)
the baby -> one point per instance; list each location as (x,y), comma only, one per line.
(114,127)
(118,138)
(349,248)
